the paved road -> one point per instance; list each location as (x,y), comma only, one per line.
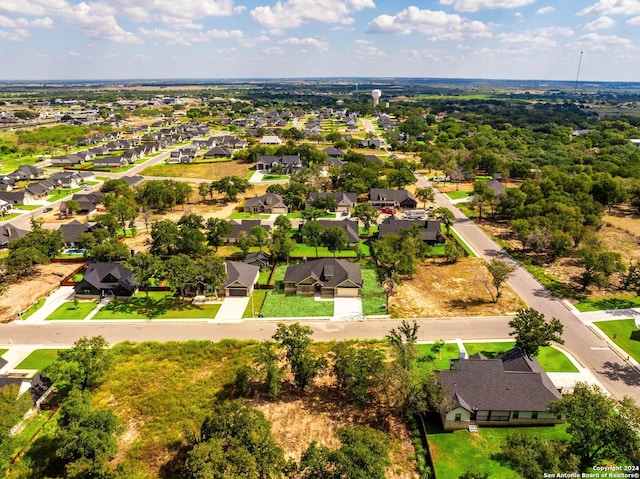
(60,333)
(613,371)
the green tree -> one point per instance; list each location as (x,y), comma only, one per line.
(311,233)
(164,237)
(179,269)
(260,236)
(295,339)
(231,186)
(599,264)
(22,261)
(453,252)
(425,194)
(445,216)
(245,242)
(401,177)
(73,207)
(358,371)
(204,189)
(282,223)
(109,250)
(83,365)
(267,359)
(532,331)
(281,245)
(148,270)
(217,229)
(211,268)
(600,427)
(367,214)
(532,457)
(499,272)
(124,210)
(334,238)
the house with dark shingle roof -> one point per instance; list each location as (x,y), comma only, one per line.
(8,233)
(430,231)
(104,279)
(324,276)
(497,187)
(269,203)
(344,201)
(350,227)
(509,390)
(242,228)
(333,152)
(289,163)
(71,232)
(259,259)
(239,281)
(385,197)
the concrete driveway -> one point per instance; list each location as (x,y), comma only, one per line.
(347,309)
(232,309)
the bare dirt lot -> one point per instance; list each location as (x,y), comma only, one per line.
(445,290)
(19,296)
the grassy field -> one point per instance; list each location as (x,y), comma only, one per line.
(626,302)
(373,296)
(39,359)
(2,351)
(56,195)
(552,360)
(455,453)
(280,305)
(159,305)
(67,310)
(456,195)
(241,215)
(33,308)
(623,333)
(303,250)
(199,170)
(462,244)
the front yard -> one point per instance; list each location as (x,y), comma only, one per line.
(68,310)
(551,359)
(623,333)
(39,359)
(159,305)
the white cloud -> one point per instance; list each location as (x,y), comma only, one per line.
(21,27)
(173,37)
(545,10)
(598,43)
(633,21)
(537,38)
(273,51)
(475,5)
(150,10)
(306,42)
(600,24)
(613,7)
(437,25)
(293,13)
(252,42)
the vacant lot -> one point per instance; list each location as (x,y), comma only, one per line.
(444,290)
(212,171)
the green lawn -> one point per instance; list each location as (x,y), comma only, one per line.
(255,303)
(39,359)
(159,305)
(10,216)
(27,207)
(623,332)
(241,215)
(56,195)
(275,177)
(456,195)
(427,359)
(455,453)
(280,305)
(303,250)
(552,360)
(462,244)
(373,296)
(2,351)
(67,310)
(33,308)
(626,302)
(373,231)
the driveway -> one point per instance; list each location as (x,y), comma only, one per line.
(232,309)
(53,301)
(347,309)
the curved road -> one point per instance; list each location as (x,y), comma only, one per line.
(618,376)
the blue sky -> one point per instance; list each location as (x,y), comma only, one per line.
(512,39)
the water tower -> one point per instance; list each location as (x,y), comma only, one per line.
(376,94)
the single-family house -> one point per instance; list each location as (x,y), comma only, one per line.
(430,231)
(8,233)
(241,229)
(218,152)
(324,276)
(398,199)
(270,140)
(110,162)
(333,152)
(511,389)
(497,187)
(240,280)
(259,259)
(15,198)
(88,202)
(269,203)
(106,279)
(28,172)
(288,163)
(71,232)
(344,201)
(133,180)
(38,191)
(350,227)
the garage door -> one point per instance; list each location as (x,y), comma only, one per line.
(237,292)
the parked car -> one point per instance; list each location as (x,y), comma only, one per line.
(47,210)
(387,210)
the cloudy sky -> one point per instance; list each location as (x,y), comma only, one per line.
(512,39)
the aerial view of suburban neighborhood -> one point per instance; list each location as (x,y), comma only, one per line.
(315,279)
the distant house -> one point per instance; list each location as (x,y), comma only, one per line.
(398,199)
(17,198)
(28,172)
(71,232)
(509,390)
(324,276)
(243,228)
(269,203)
(333,152)
(218,152)
(350,227)
(8,233)
(288,163)
(38,191)
(239,281)
(111,162)
(497,187)
(374,144)
(88,202)
(345,201)
(270,140)
(259,259)
(429,229)
(106,279)
(132,180)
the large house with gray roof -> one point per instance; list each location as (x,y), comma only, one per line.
(430,231)
(325,277)
(509,390)
(239,281)
(385,197)
(269,203)
(105,279)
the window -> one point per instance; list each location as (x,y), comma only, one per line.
(534,415)
(515,415)
(458,417)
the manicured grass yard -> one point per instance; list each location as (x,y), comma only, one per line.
(56,195)
(373,296)
(303,250)
(159,305)
(552,360)
(67,310)
(39,359)
(241,215)
(427,359)
(457,452)
(2,351)
(275,177)
(587,305)
(255,304)
(456,195)
(626,335)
